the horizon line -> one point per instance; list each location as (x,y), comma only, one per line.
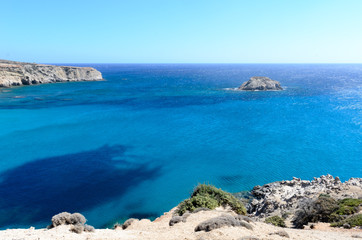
(164,63)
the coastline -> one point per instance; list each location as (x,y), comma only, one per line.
(20,74)
(161,228)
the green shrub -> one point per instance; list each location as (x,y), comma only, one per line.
(208,196)
(352,202)
(204,201)
(196,202)
(276,221)
(352,221)
(336,217)
(345,210)
(348,206)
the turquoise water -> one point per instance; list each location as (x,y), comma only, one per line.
(136,144)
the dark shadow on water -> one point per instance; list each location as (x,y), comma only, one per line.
(37,190)
(229,180)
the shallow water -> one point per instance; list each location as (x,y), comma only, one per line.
(136,144)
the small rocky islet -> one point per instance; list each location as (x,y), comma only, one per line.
(14,73)
(260,84)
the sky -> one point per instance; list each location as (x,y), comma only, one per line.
(181,31)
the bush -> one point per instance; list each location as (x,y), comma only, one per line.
(314,211)
(88,228)
(348,206)
(199,203)
(77,218)
(77,228)
(77,221)
(327,209)
(324,207)
(222,221)
(61,219)
(66,218)
(177,219)
(304,214)
(217,222)
(352,221)
(207,196)
(276,221)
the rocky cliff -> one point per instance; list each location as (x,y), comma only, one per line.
(279,198)
(20,73)
(260,84)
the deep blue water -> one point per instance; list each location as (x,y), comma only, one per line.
(136,144)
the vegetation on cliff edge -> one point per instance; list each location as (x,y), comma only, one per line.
(208,196)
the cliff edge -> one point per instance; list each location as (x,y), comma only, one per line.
(161,229)
(19,73)
(222,222)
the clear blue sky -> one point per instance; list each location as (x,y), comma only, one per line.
(181,31)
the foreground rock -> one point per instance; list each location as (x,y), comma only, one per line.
(283,198)
(19,73)
(260,84)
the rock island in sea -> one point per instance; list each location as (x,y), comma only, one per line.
(260,84)
(20,73)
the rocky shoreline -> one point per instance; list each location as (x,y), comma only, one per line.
(220,222)
(284,197)
(19,73)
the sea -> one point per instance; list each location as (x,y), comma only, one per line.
(137,143)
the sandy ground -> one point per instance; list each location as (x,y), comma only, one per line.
(160,230)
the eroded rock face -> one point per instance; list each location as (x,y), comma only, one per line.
(19,73)
(260,84)
(283,197)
